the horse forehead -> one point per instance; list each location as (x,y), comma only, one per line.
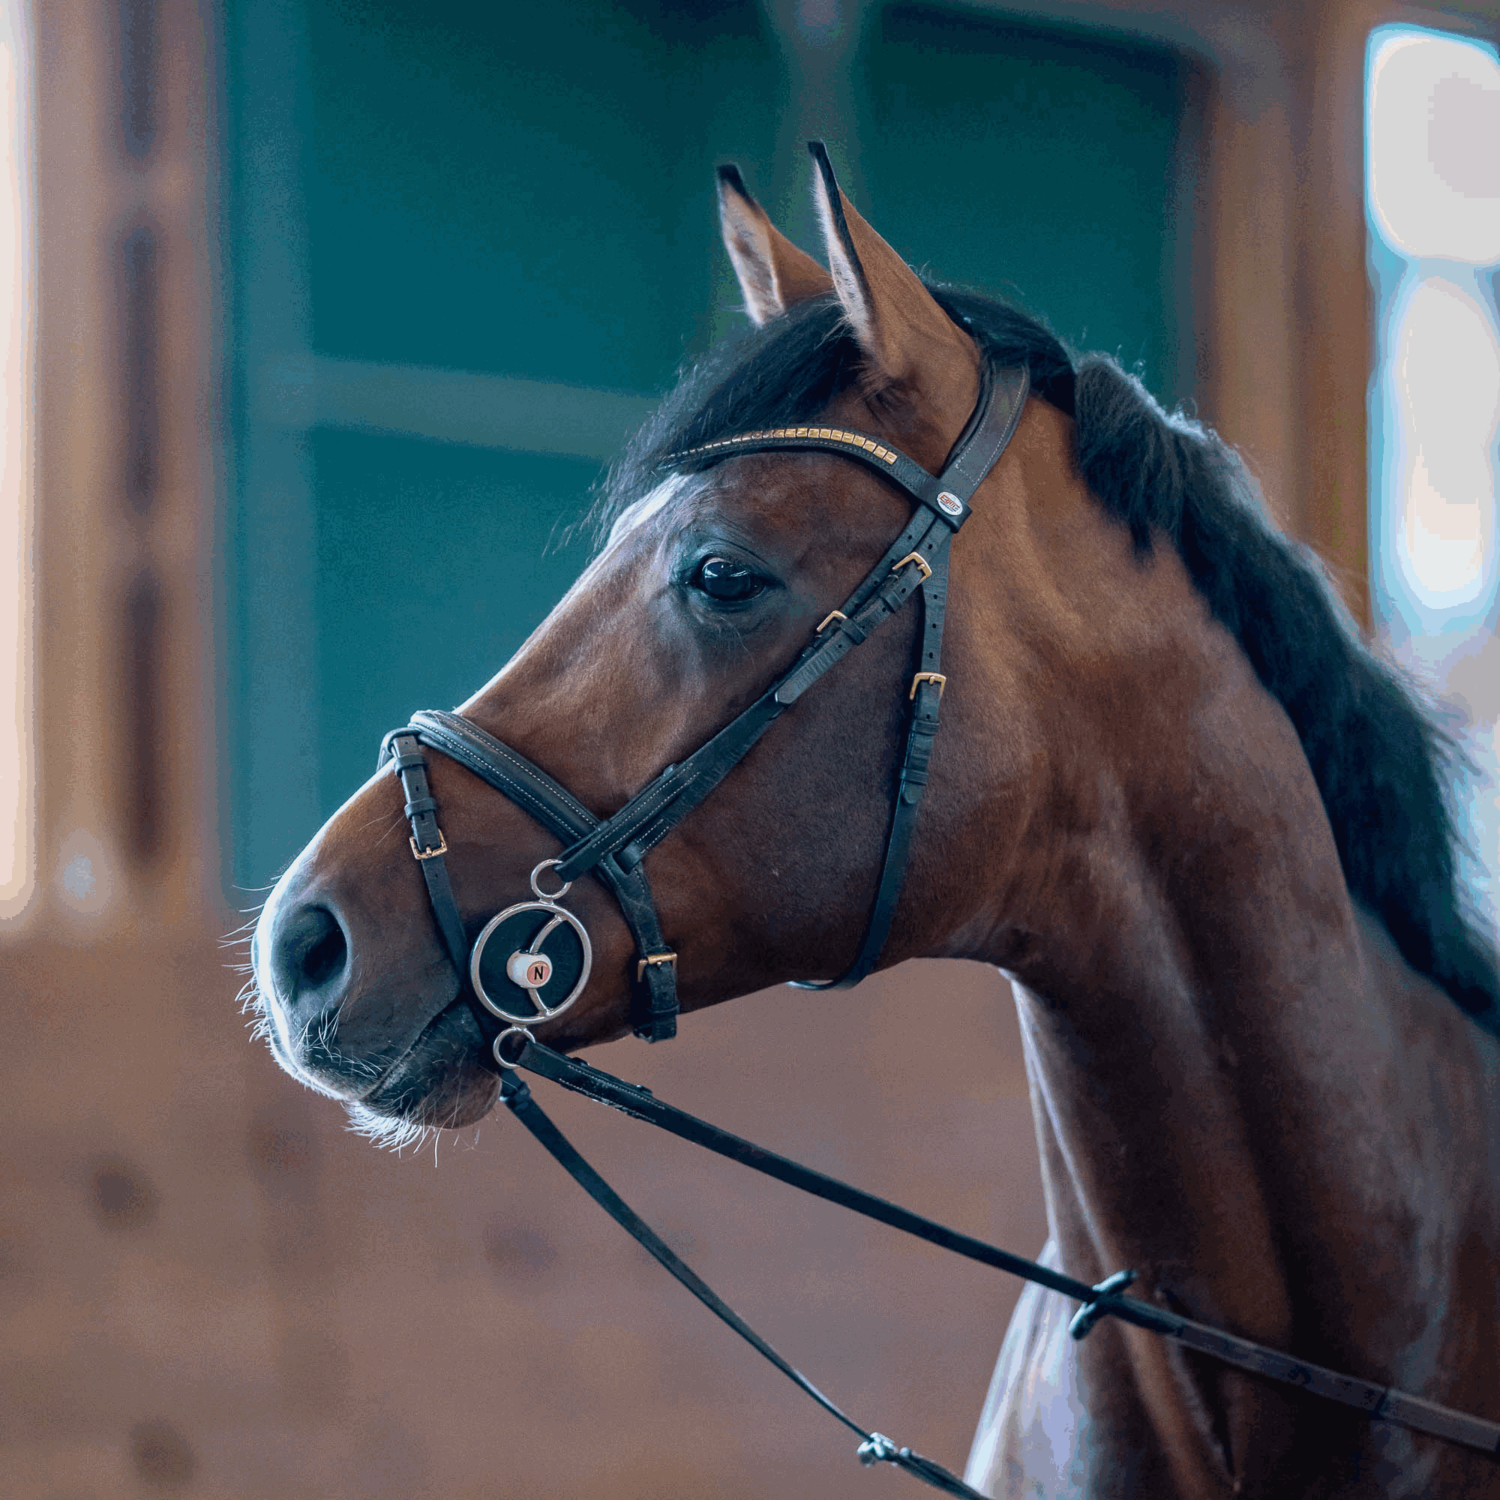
(701,492)
(796,499)
(786,485)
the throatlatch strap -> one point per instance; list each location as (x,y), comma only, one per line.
(874,1447)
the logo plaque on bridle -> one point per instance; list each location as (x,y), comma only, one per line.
(555,955)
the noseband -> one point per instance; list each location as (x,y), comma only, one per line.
(531,961)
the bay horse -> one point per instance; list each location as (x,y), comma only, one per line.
(1198,825)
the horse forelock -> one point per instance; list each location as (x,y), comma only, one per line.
(1384,766)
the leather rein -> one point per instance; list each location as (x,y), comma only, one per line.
(549,948)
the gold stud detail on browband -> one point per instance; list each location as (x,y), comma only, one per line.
(779,434)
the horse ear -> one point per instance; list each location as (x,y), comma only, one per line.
(905,336)
(773,273)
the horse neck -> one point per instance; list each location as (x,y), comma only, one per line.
(1220,1044)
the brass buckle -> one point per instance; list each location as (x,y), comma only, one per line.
(921,677)
(832,615)
(920,561)
(651,960)
(442,847)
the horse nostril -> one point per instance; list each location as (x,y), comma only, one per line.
(309,952)
(325,958)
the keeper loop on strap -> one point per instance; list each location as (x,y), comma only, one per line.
(1099,1305)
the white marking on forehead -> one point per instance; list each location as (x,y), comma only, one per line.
(646,507)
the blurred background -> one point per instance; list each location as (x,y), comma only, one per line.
(287,283)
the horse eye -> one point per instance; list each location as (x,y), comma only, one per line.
(727,581)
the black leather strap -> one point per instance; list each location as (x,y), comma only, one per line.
(508,771)
(403,748)
(991,427)
(873,1448)
(1380,1403)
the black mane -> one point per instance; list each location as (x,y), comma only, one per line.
(1380,760)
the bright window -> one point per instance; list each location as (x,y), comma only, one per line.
(1433,164)
(1433,196)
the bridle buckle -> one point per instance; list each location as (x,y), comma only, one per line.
(829,618)
(651,960)
(922,677)
(921,562)
(425,854)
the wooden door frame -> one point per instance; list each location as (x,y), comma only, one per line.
(130,448)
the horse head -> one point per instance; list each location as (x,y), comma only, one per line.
(713,577)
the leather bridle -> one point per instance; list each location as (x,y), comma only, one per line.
(553,948)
